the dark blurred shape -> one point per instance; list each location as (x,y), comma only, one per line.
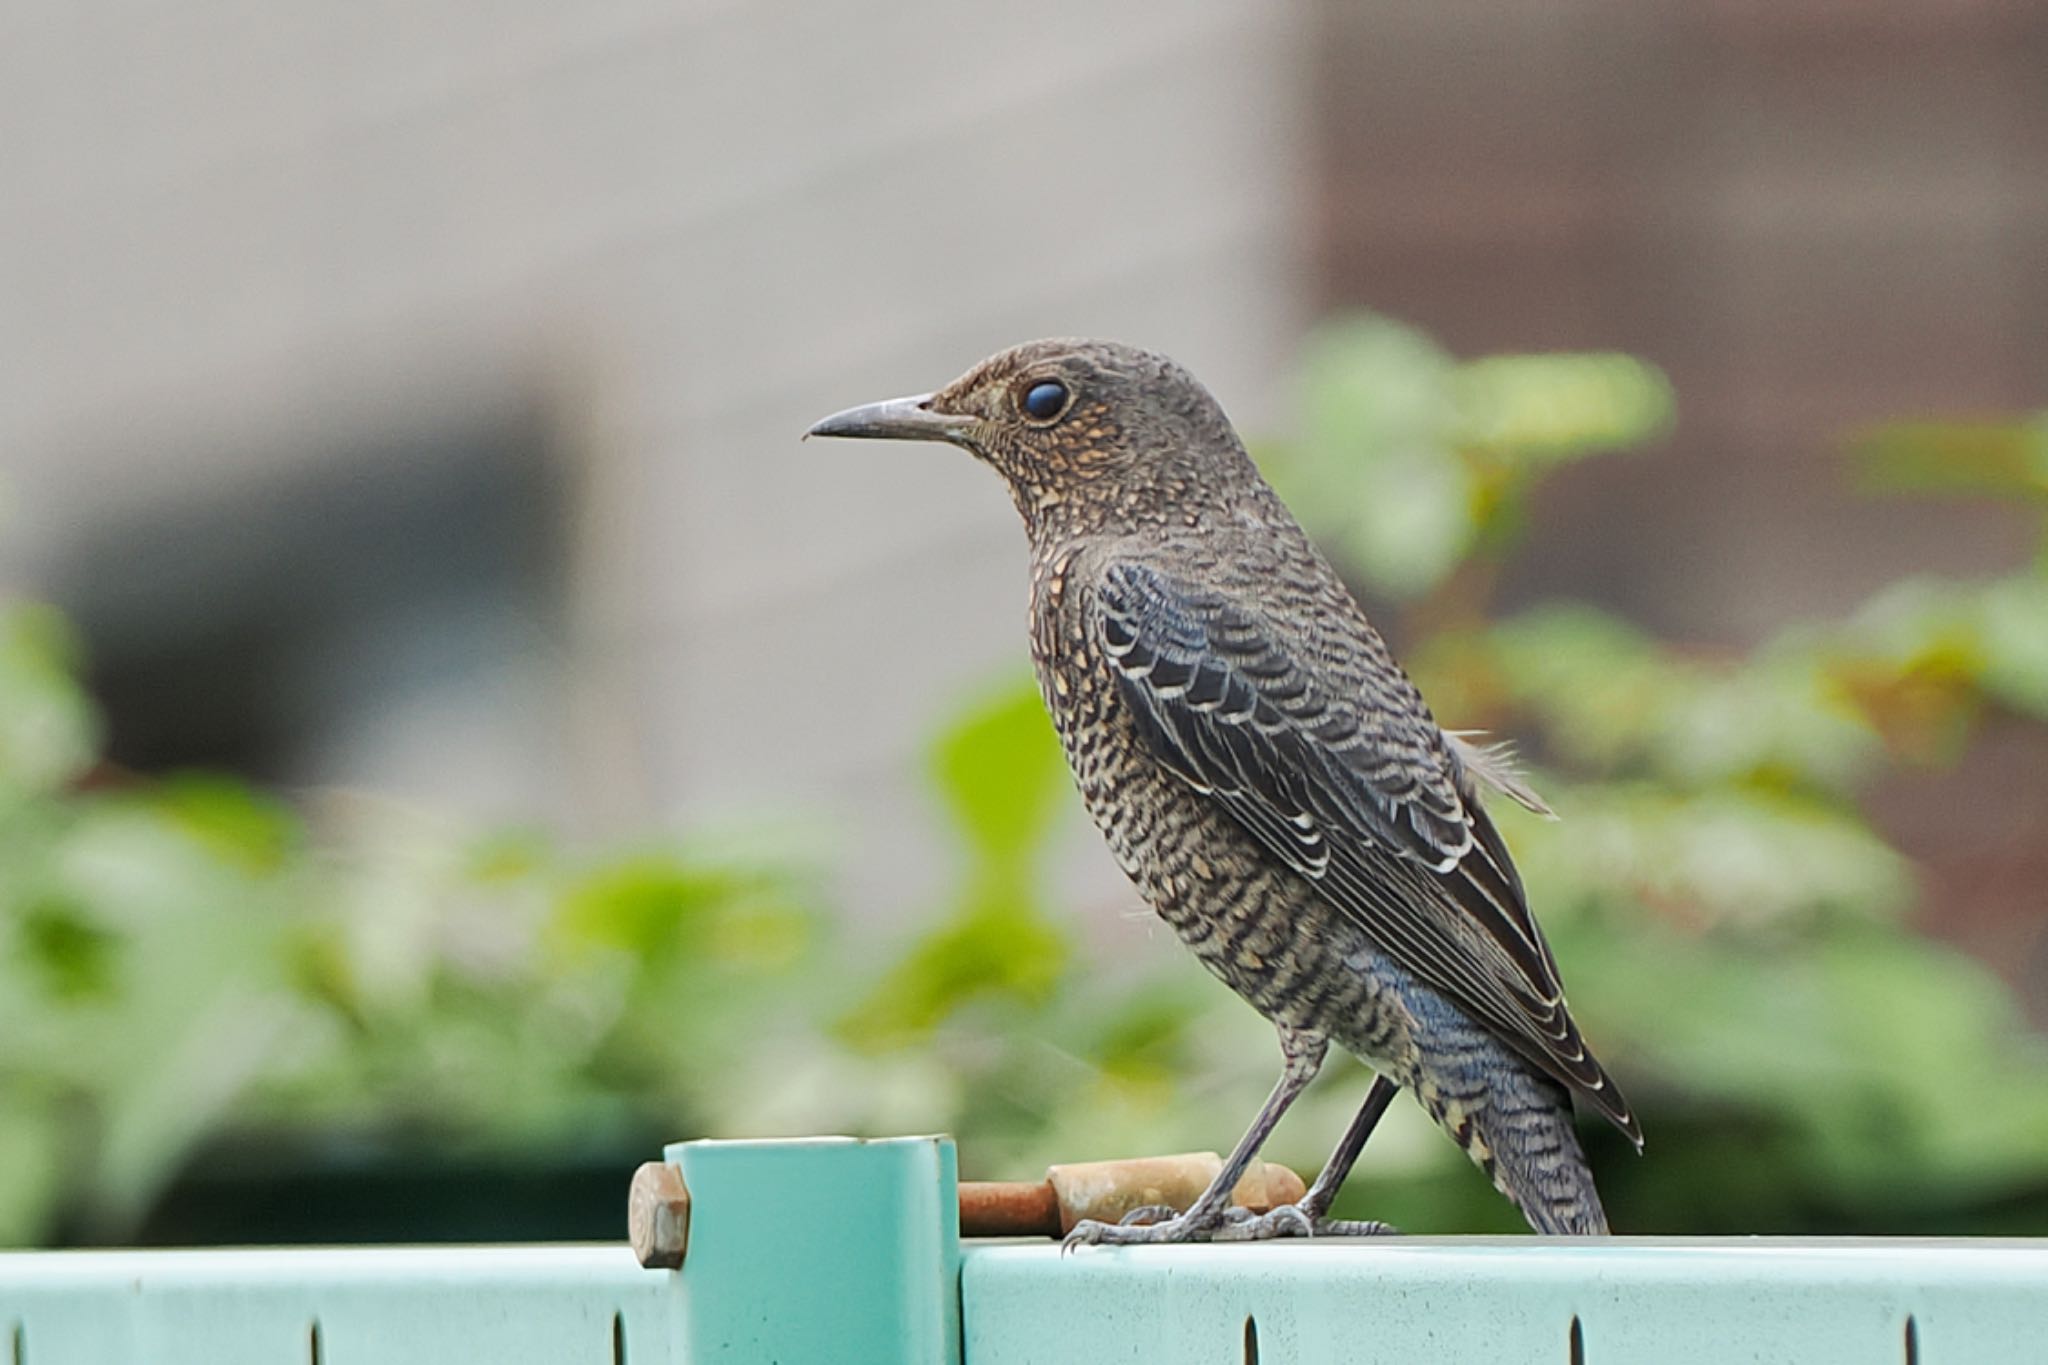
(257,1194)
(261,631)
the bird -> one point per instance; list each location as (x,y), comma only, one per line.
(1272,781)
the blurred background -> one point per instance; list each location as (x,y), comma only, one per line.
(454,738)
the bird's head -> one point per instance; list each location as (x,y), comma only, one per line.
(1097,429)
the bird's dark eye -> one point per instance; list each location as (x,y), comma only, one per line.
(1045,400)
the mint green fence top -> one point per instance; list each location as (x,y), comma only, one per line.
(847,1252)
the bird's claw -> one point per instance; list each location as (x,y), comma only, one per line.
(1155,1224)
(1291,1220)
(1287,1220)
(1151,1224)
(1147,1214)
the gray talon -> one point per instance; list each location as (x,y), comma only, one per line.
(1355,1227)
(1087,1232)
(1157,1224)
(1147,1214)
(1179,1228)
(1291,1220)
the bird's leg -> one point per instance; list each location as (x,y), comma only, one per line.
(1302,1054)
(1307,1218)
(1323,1193)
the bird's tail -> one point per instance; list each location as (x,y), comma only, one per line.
(1537,1162)
(1516,1123)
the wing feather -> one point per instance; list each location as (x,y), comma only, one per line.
(1360,793)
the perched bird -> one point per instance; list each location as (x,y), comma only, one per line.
(1270,779)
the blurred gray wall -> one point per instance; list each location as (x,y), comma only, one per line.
(260,263)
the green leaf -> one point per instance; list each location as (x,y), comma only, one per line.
(49,732)
(255,830)
(1601,687)
(1919,657)
(661,904)
(1537,409)
(1999,459)
(34,1149)
(1001,950)
(2013,622)
(999,771)
(1374,465)
(1751,859)
(1410,461)
(68,949)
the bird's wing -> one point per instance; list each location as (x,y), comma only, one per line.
(1358,792)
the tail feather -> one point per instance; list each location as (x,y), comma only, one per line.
(1538,1164)
(1513,1120)
(1518,1129)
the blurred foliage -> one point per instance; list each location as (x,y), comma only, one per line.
(186,958)
(1418,462)
(1000,942)
(182,958)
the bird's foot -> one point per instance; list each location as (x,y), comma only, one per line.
(1147,1214)
(1157,1224)
(1150,1224)
(1291,1220)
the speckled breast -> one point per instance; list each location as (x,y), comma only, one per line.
(1256,924)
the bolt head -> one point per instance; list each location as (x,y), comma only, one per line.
(658,1216)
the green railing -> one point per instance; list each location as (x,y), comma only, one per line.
(847,1252)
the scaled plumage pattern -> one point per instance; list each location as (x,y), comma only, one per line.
(1269,777)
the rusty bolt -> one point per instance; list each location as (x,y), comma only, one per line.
(658,1216)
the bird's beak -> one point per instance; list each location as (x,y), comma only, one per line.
(899,419)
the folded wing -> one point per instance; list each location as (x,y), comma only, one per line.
(1341,773)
